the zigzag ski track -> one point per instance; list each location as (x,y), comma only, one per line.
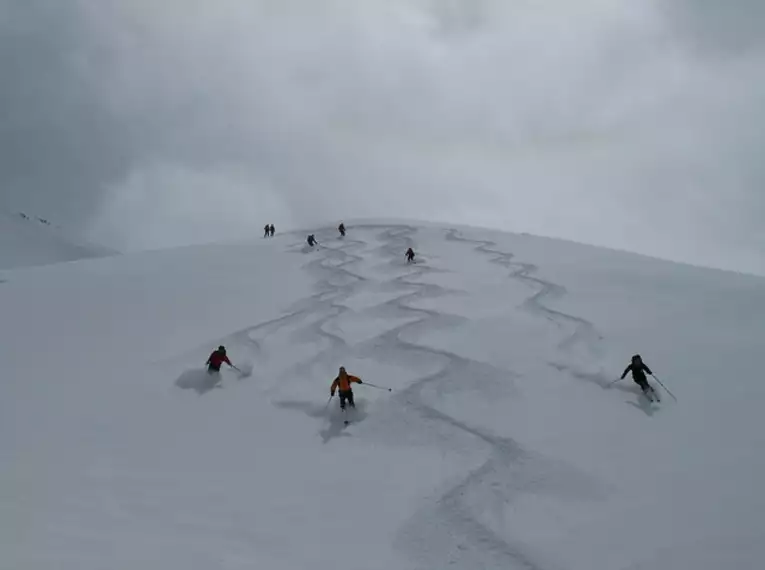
(446,531)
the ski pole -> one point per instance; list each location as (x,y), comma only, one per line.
(615,381)
(663,386)
(328,401)
(376,386)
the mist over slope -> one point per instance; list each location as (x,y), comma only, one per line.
(636,125)
(502,442)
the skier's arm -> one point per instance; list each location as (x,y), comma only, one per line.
(225,358)
(333,387)
(626,370)
(647,370)
(355,379)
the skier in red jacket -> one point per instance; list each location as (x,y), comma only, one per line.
(217,358)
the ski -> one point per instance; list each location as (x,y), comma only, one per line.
(650,395)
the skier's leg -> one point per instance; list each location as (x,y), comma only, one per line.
(342,400)
(215,376)
(350,400)
(645,388)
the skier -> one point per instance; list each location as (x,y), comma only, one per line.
(266,229)
(638,369)
(217,358)
(343,386)
(409,255)
(341,229)
(272,230)
(311,240)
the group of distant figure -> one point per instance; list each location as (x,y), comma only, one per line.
(269,231)
(311,240)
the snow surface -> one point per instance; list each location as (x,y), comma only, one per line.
(27,241)
(501,444)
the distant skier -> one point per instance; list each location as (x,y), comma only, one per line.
(217,358)
(343,386)
(272,230)
(638,369)
(341,229)
(266,230)
(311,240)
(409,255)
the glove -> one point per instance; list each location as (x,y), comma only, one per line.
(360,382)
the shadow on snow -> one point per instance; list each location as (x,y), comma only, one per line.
(202,381)
(335,417)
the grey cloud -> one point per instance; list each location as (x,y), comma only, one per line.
(719,28)
(598,121)
(57,142)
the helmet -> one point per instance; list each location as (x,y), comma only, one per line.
(636,357)
(222,348)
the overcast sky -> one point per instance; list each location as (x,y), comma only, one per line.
(637,125)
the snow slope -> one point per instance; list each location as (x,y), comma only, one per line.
(28,241)
(501,444)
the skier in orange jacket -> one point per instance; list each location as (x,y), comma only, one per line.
(343,386)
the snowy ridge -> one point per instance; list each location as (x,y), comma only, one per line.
(27,241)
(501,445)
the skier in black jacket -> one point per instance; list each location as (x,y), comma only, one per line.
(638,369)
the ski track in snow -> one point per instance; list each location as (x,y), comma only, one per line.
(335,283)
(445,532)
(584,331)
